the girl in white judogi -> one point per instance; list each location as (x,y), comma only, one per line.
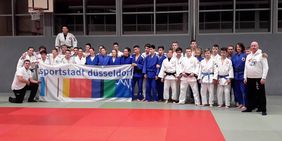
(207,76)
(225,73)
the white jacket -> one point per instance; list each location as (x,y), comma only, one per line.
(189,65)
(208,71)
(70,40)
(256,66)
(168,67)
(225,70)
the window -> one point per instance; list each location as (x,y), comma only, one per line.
(101,17)
(6,18)
(70,13)
(216,16)
(138,17)
(171,16)
(280,15)
(155,16)
(253,15)
(250,16)
(23,23)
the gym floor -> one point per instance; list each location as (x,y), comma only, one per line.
(233,125)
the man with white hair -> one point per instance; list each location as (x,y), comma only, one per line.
(256,69)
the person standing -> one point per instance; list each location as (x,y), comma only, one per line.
(256,69)
(126,58)
(114,59)
(208,77)
(91,58)
(137,63)
(168,76)
(116,47)
(188,72)
(102,58)
(65,38)
(67,59)
(238,62)
(54,57)
(225,74)
(150,74)
(80,59)
(160,84)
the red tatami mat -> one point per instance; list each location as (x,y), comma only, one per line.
(58,124)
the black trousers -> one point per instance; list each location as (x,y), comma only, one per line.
(33,87)
(256,94)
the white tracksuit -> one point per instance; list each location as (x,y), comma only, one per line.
(207,72)
(188,66)
(70,40)
(225,73)
(169,66)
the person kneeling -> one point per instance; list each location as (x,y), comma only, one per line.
(23,81)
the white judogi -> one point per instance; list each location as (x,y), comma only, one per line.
(189,65)
(46,61)
(70,40)
(207,72)
(225,73)
(65,61)
(119,54)
(169,66)
(32,60)
(80,61)
(54,61)
(178,66)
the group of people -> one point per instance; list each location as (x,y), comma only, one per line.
(210,76)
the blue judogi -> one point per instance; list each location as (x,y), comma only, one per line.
(137,77)
(150,69)
(238,62)
(126,60)
(102,60)
(200,58)
(160,84)
(91,62)
(114,62)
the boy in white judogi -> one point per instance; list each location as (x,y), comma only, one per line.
(188,71)
(168,76)
(207,76)
(54,57)
(225,73)
(79,59)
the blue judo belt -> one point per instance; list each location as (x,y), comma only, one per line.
(207,74)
